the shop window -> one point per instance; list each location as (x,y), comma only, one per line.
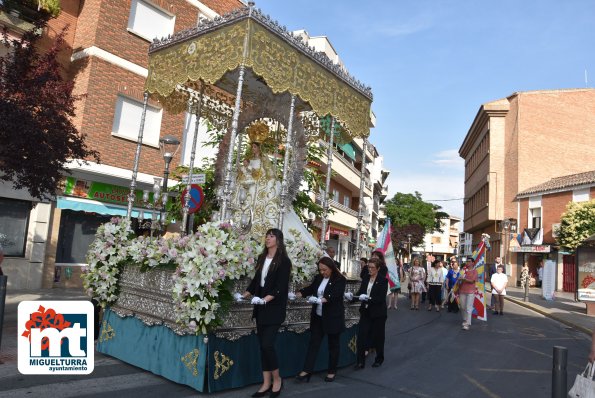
(127,120)
(77,232)
(14,218)
(148,21)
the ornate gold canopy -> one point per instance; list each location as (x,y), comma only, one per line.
(279,63)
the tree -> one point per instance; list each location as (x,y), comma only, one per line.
(576,224)
(400,236)
(36,108)
(406,209)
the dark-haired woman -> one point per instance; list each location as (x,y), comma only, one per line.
(269,289)
(328,316)
(372,294)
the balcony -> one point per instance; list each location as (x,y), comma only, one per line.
(345,172)
(342,214)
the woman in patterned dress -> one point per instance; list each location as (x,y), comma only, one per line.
(417,276)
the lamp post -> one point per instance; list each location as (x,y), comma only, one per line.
(168,146)
(409,246)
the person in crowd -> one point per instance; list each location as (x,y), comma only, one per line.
(443,290)
(327,318)
(383,271)
(269,290)
(499,281)
(363,273)
(466,282)
(427,268)
(540,274)
(493,271)
(435,281)
(417,275)
(372,294)
(332,253)
(393,297)
(451,281)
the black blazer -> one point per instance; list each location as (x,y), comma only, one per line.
(333,311)
(276,283)
(375,307)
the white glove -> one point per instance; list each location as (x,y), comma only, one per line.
(363,297)
(257,301)
(291,296)
(349,296)
(313,300)
(237,297)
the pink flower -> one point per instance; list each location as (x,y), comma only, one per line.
(192,325)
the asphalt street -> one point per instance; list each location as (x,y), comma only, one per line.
(427,355)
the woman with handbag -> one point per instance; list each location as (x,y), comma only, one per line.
(417,276)
(269,289)
(328,317)
(372,294)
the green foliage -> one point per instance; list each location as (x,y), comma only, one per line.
(409,209)
(576,224)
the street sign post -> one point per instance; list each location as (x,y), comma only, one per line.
(196,179)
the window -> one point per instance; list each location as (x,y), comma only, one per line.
(14,218)
(535,218)
(336,195)
(77,232)
(580,195)
(127,121)
(148,21)
(346,201)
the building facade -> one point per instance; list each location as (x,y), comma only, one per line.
(516,143)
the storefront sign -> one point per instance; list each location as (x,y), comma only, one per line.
(101,192)
(586,274)
(531,249)
(338,231)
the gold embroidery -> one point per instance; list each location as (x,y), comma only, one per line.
(222,364)
(282,66)
(190,360)
(107,332)
(353,344)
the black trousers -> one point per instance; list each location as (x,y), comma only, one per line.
(316,336)
(370,328)
(435,293)
(267,335)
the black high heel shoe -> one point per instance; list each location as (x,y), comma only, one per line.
(262,393)
(329,379)
(275,394)
(306,376)
(377,363)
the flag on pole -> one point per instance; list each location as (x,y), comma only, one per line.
(385,245)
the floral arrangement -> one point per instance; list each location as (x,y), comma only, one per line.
(210,257)
(204,264)
(105,259)
(304,258)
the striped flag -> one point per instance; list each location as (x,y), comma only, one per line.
(385,245)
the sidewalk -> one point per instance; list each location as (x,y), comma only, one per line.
(562,309)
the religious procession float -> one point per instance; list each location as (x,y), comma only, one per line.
(168,300)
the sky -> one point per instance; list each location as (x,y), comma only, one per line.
(432,63)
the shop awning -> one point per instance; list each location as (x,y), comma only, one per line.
(92,206)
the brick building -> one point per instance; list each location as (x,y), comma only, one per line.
(107,45)
(540,207)
(516,143)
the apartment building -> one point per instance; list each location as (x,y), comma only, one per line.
(107,46)
(516,143)
(442,244)
(539,211)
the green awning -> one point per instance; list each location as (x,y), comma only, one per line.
(348,149)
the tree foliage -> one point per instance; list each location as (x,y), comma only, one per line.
(576,224)
(406,209)
(36,108)
(400,238)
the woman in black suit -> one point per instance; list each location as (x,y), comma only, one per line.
(269,289)
(328,316)
(372,294)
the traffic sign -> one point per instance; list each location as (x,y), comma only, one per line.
(196,179)
(197,198)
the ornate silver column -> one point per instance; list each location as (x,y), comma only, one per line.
(139,144)
(226,199)
(197,108)
(288,149)
(360,212)
(325,205)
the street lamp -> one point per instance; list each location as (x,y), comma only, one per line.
(168,146)
(409,241)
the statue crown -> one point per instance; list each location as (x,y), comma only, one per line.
(258,132)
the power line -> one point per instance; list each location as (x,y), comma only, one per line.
(443,200)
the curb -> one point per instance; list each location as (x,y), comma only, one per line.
(545,313)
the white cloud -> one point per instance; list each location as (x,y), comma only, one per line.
(434,187)
(449,158)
